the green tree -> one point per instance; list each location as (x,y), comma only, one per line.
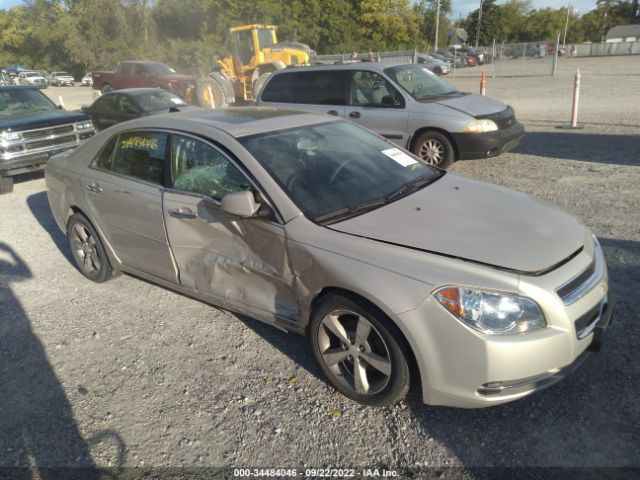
(489,23)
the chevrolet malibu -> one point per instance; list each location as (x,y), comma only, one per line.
(396,271)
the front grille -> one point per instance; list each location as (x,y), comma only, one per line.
(577,282)
(50,142)
(46,132)
(583,322)
(504,119)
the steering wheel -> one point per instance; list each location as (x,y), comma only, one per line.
(296,180)
(419,87)
(339,169)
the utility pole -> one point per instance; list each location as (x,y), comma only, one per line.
(479,22)
(566,24)
(435,42)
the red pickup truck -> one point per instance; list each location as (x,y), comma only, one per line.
(145,74)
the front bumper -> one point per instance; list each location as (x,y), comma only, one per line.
(461,367)
(484,145)
(31,162)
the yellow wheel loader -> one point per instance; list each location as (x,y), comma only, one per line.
(256,54)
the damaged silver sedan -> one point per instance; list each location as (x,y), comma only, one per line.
(395,270)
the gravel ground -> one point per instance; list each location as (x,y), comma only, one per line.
(128,374)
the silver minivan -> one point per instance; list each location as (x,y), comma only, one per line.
(406,104)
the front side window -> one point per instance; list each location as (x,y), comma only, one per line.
(368,89)
(319,88)
(141,155)
(420,83)
(127,68)
(201,168)
(139,70)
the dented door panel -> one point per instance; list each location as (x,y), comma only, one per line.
(238,263)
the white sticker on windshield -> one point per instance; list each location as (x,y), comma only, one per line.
(400,157)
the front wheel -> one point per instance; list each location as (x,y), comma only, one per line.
(360,351)
(210,94)
(87,249)
(435,149)
(6,185)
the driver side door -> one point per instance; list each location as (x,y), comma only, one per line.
(241,264)
(377,105)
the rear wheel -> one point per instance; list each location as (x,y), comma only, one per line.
(210,94)
(6,185)
(435,149)
(87,249)
(359,350)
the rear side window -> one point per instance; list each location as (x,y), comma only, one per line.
(141,155)
(278,90)
(319,87)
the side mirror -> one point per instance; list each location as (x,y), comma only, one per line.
(240,204)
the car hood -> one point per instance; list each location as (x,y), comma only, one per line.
(476,221)
(31,120)
(474,105)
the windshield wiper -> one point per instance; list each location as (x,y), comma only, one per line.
(347,212)
(414,185)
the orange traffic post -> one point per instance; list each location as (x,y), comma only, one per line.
(483,85)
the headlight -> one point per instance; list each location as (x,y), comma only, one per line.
(8,136)
(480,126)
(84,125)
(492,313)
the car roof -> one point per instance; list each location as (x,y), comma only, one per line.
(370,66)
(235,121)
(136,91)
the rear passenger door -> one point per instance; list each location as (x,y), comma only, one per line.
(124,189)
(320,91)
(377,105)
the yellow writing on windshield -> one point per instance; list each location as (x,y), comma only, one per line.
(139,142)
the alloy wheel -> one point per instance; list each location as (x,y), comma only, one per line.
(354,352)
(432,151)
(85,250)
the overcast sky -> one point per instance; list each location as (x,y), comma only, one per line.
(460,7)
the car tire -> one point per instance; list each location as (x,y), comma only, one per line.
(6,185)
(106,88)
(373,367)
(87,249)
(437,71)
(434,148)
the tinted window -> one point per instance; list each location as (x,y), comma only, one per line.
(368,89)
(141,155)
(105,157)
(105,103)
(277,90)
(124,104)
(159,100)
(127,68)
(200,168)
(319,87)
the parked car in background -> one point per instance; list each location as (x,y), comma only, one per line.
(61,79)
(397,272)
(32,128)
(406,104)
(145,74)
(434,65)
(32,78)
(469,52)
(87,80)
(127,104)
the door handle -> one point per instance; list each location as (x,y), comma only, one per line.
(355,115)
(181,213)
(333,112)
(94,187)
